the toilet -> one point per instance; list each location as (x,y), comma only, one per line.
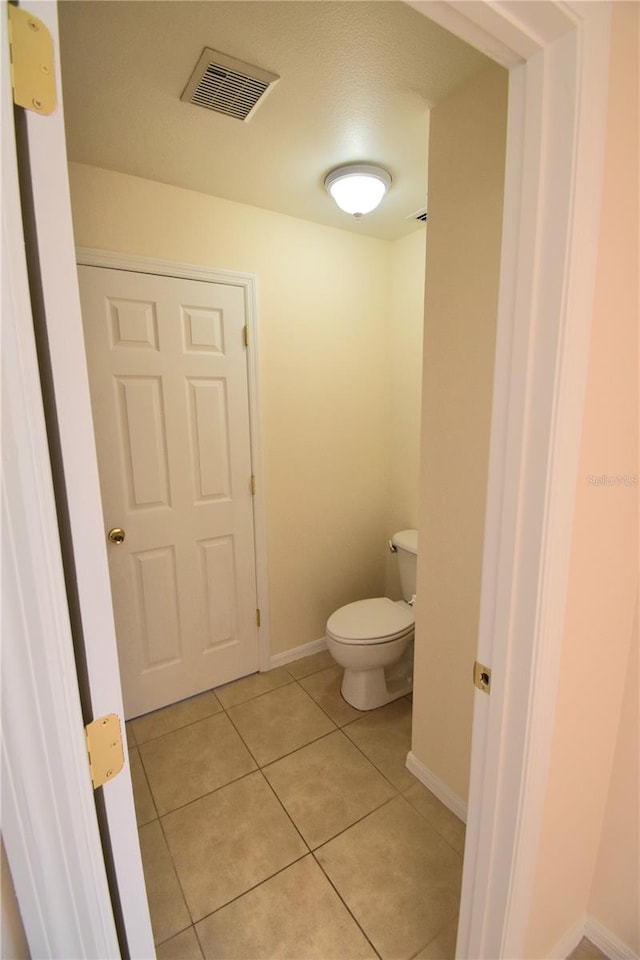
(373,639)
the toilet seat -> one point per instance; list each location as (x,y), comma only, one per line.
(378,620)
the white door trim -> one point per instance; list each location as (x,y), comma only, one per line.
(92,257)
(557,55)
(49,824)
(81,532)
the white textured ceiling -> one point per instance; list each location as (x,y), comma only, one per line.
(357,80)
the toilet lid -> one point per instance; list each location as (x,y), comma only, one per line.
(367,620)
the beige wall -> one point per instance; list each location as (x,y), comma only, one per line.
(586,835)
(466,177)
(403,345)
(325,329)
(615,894)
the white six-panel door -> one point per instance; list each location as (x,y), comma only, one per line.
(169,391)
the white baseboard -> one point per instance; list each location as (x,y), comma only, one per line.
(296,653)
(599,936)
(606,941)
(437,787)
(568,942)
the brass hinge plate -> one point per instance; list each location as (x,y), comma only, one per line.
(245,335)
(31,51)
(258,617)
(252,484)
(482,677)
(104,746)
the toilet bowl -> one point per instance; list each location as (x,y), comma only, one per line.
(373,639)
(368,638)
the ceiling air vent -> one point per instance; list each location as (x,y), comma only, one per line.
(420,215)
(227,86)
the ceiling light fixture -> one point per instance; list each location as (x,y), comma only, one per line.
(358,188)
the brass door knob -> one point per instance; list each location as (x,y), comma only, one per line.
(116,535)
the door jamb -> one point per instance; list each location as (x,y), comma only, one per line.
(92,257)
(49,823)
(557,55)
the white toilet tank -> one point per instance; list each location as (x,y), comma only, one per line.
(406,543)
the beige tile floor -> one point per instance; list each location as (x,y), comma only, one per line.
(278,822)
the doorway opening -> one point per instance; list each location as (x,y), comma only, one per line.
(500,834)
(348,588)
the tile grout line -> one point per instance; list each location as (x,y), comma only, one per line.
(254,696)
(161,817)
(275,759)
(303,747)
(175,870)
(266,780)
(163,832)
(223,708)
(374,764)
(161,943)
(183,726)
(397,792)
(358,747)
(191,926)
(355,822)
(355,720)
(313,850)
(255,886)
(203,796)
(345,904)
(198,940)
(309,853)
(258,766)
(177,876)
(435,937)
(148,783)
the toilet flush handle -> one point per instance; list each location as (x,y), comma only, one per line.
(392,547)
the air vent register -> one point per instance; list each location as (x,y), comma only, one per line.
(227,86)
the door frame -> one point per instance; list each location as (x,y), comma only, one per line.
(49,820)
(113,260)
(77,534)
(557,56)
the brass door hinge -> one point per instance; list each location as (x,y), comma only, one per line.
(482,677)
(258,617)
(104,746)
(252,484)
(245,335)
(31,53)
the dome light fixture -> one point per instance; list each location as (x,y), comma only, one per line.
(358,188)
